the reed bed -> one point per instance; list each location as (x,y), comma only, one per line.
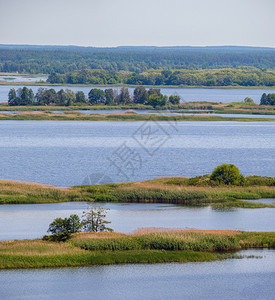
(176,240)
(169,241)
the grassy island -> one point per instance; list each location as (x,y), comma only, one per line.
(144,246)
(198,191)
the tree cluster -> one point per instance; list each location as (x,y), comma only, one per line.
(93,219)
(25,96)
(267,99)
(153,97)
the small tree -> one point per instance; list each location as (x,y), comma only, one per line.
(109,95)
(124,96)
(94,220)
(174,99)
(70,97)
(80,97)
(140,95)
(96,96)
(13,100)
(227,174)
(61,229)
(264,99)
(157,100)
(249,101)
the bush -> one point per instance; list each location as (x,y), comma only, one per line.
(61,229)
(227,174)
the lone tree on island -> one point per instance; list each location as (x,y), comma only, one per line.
(94,220)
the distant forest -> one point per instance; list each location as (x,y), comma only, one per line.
(209,77)
(65,59)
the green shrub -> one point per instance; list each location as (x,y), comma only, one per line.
(227,174)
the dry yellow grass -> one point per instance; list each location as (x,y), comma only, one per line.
(37,247)
(22,186)
(97,235)
(146,230)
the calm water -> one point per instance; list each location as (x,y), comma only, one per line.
(247,278)
(32,220)
(73,153)
(10,78)
(189,94)
(268,201)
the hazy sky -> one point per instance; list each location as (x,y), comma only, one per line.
(141,22)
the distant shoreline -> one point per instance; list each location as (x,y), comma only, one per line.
(34,83)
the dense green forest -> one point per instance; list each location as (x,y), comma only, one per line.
(210,77)
(64,59)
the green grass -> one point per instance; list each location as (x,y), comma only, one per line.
(155,247)
(106,258)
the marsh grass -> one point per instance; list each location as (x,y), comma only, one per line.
(178,240)
(106,258)
(169,241)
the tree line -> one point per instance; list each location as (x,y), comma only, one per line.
(153,97)
(220,77)
(61,60)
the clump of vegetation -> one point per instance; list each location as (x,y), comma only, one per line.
(61,229)
(267,99)
(249,101)
(93,219)
(227,174)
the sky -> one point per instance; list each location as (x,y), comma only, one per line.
(109,23)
